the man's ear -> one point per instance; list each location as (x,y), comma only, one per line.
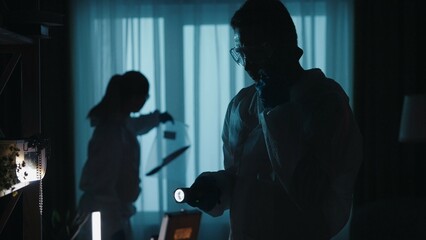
(269,51)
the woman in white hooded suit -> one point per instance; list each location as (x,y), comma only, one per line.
(110,179)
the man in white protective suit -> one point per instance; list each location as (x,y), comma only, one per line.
(292,148)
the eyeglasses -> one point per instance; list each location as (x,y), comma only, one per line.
(255,54)
(238,55)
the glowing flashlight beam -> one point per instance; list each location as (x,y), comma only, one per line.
(96,225)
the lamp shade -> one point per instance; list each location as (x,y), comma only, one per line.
(413,119)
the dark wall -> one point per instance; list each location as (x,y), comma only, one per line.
(24,17)
(57,119)
(389,63)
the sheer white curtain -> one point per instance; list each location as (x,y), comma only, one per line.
(183,49)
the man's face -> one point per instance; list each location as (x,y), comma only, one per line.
(251,50)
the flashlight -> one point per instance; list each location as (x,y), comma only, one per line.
(203,198)
(181,195)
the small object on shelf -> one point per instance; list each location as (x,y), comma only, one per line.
(21,162)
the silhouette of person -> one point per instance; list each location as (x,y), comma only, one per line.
(110,178)
(291,146)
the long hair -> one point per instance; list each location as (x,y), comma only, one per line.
(119,90)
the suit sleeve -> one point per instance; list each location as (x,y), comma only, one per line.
(225,178)
(144,123)
(316,155)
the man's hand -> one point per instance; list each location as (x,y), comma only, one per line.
(204,194)
(271,90)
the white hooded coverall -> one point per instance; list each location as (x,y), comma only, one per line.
(290,170)
(110,178)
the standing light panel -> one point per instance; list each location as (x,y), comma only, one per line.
(96,225)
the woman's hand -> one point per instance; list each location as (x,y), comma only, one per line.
(165,117)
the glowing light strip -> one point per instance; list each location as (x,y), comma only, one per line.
(96,225)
